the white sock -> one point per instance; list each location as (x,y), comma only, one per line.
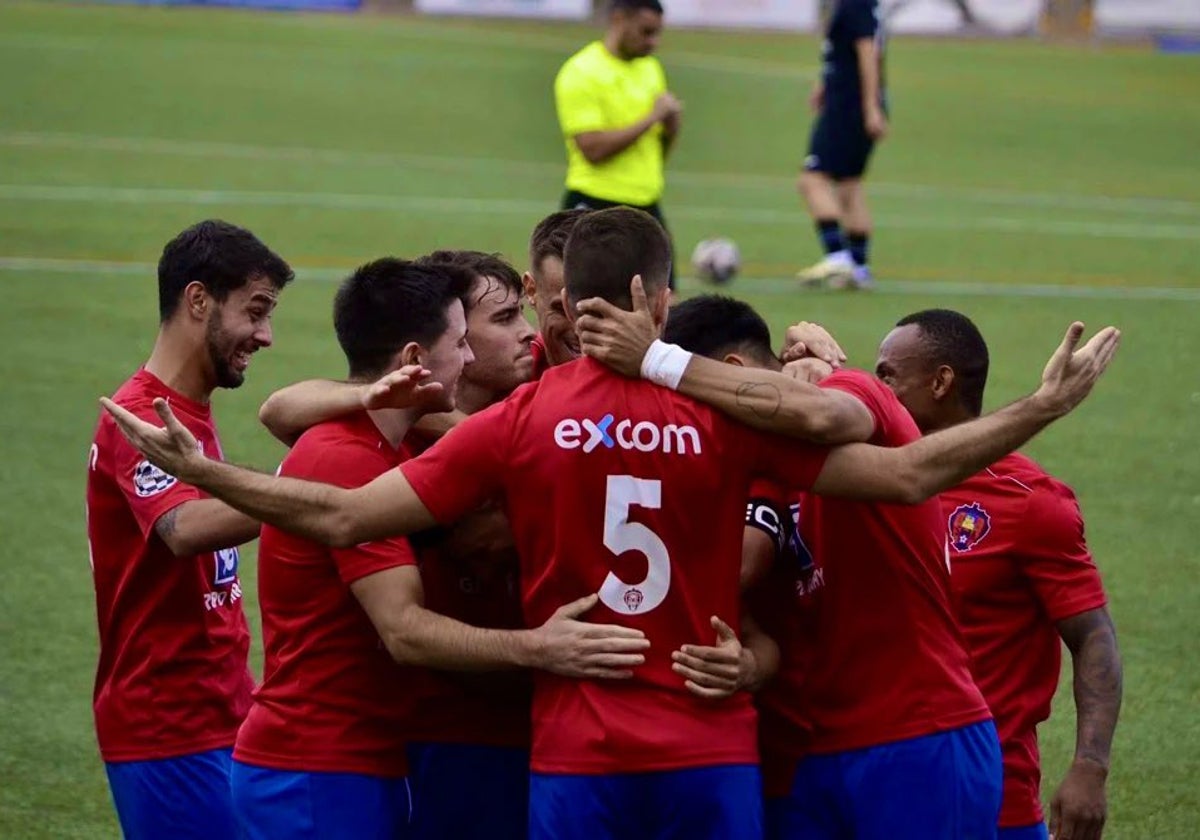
(841,257)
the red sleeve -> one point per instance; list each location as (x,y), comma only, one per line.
(1055,557)
(865,388)
(350,465)
(149,491)
(467,467)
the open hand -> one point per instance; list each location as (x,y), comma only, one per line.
(1070,374)
(573,648)
(809,340)
(712,672)
(615,337)
(407,387)
(171,448)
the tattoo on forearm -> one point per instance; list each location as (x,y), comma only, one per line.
(165,526)
(761,399)
(1098,685)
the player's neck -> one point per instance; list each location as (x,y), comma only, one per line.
(181,365)
(394,423)
(612,43)
(950,418)
(470,397)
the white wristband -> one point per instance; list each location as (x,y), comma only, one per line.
(664,364)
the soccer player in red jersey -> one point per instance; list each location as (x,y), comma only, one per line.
(322,752)
(172,685)
(1023,578)
(556,341)
(605,480)
(875,676)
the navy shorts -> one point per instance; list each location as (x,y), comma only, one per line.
(181,798)
(707,803)
(839,145)
(469,792)
(945,786)
(271,804)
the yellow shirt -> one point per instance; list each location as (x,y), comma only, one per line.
(596,91)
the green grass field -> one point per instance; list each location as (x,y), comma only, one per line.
(1024,184)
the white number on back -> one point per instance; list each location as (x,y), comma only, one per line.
(621,535)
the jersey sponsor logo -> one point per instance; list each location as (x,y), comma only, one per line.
(149,480)
(611,433)
(225,566)
(969,524)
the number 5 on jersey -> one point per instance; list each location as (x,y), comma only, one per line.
(621,535)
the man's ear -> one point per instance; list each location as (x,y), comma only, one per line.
(529,288)
(410,354)
(660,305)
(734,359)
(567,308)
(943,382)
(196,301)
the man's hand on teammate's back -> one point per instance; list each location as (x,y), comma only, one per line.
(1070,374)
(573,648)
(1080,805)
(172,448)
(713,672)
(808,370)
(614,336)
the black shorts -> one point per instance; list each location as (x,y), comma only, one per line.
(575,200)
(840,146)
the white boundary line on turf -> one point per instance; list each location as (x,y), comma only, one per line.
(423,205)
(782,182)
(751,285)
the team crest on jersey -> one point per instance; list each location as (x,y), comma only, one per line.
(633,598)
(149,480)
(225,566)
(969,524)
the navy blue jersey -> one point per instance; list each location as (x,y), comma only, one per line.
(850,21)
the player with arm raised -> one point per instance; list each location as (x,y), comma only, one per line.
(1023,578)
(644,465)
(172,684)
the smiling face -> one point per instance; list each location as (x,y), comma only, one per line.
(237,328)
(446,357)
(500,338)
(558,332)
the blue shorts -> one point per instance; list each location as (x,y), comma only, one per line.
(1037,831)
(271,804)
(469,792)
(707,803)
(945,786)
(180,798)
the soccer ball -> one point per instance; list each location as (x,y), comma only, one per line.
(716,260)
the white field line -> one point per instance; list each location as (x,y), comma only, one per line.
(422,205)
(751,285)
(554,170)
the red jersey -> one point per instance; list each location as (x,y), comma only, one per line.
(172,678)
(1018,564)
(891,663)
(332,699)
(483,591)
(620,487)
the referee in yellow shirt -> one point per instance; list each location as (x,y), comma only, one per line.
(617,116)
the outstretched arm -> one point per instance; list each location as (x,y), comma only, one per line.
(1080,806)
(385,507)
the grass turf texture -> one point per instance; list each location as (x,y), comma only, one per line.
(342,138)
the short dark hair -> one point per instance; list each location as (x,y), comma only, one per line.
(635,5)
(952,339)
(549,238)
(608,247)
(481,266)
(715,325)
(387,303)
(222,257)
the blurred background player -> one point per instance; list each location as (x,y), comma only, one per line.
(617,116)
(1023,578)
(172,684)
(851,105)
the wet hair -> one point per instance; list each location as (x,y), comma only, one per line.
(486,269)
(952,339)
(221,257)
(715,325)
(387,303)
(608,247)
